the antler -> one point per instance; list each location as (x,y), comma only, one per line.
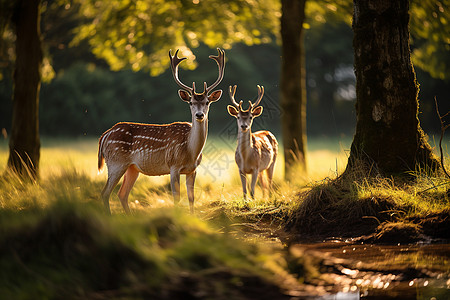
(232,91)
(220,60)
(260,96)
(174,62)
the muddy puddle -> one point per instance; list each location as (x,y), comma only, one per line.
(366,271)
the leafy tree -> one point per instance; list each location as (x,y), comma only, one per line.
(430,26)
(388,136)
(139,33)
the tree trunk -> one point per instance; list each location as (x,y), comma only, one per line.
(24,144)
(292,85)
(388,135)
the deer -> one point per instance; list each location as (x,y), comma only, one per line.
(129,149)
(256,152)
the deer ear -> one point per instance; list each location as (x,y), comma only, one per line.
(232,110)
(215,96)
(257,111)
(185,96)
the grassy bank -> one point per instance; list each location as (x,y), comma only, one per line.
(382,209)
(56,242)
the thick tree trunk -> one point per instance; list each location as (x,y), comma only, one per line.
(24,144)
(388,136)
(293,88)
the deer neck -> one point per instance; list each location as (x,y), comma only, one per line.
(197,137)
(245,144)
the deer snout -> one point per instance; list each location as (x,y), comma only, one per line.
(200,116)
(244,127)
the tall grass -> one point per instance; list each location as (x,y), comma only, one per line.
(217,178)
(56,242)
(72,164)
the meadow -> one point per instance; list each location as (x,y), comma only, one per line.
(57,242)
(217,176)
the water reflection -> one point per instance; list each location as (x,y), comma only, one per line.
(383,271)
(341,296)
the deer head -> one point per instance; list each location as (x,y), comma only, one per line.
(245,117)
(199,102)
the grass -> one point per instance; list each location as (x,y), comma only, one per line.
(362,205)
(72,250)
(217,178)
(58,243)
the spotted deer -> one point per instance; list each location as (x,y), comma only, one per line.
(255,152)
(132,148)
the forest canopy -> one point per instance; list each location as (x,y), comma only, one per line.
(99,83)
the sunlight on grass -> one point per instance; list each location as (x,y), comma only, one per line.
(217,177)
(228,242)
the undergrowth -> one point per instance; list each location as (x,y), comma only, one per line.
(362,204)
(57,242)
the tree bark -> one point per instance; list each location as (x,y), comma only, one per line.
(293,87)
(24,144)
(388,135)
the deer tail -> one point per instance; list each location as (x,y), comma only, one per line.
(101,158)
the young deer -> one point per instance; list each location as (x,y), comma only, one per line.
(176,148)
(256,152)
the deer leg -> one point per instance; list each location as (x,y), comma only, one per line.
(262,182)
(175,185)
(128,181)
(244,183)
(114,175)
(190,180)
(253,184)
(270,176)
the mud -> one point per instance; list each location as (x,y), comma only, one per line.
(357,270)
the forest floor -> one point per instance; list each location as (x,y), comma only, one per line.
(311,239)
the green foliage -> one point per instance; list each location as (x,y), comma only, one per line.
(95,99)
(325,11)
(138,33)
(329,77)
(87,99)
(430,28)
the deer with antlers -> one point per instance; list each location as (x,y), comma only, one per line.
(132,148)
(255,152)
